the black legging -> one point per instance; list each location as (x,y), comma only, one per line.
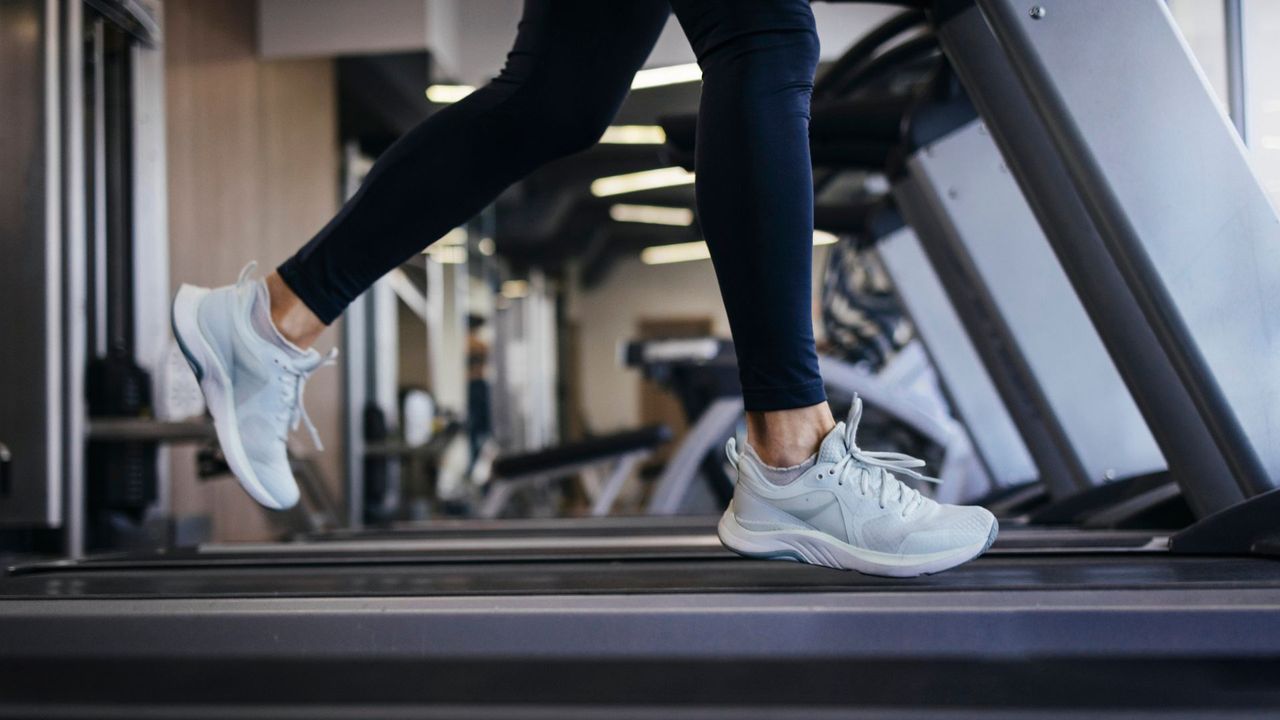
(568,73)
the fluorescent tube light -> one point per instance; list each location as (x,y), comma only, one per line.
(445,94)
(669,75)
(652,214)
(687,252)
(633,135)
(515,289)
(644,180)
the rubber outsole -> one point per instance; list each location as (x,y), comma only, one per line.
(817,548)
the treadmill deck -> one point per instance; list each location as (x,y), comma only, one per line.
(656,626)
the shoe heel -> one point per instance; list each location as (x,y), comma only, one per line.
(182,318)
(752,545)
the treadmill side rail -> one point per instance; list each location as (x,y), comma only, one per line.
(995,237)
(967,383)
(1112,304)
(1252,526)
(1163,175)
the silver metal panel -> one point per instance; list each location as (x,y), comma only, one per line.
(1165,179)
(1149,623)
(1003,244)
(30,277)
(967,382)
(1057,468)
(1164,400)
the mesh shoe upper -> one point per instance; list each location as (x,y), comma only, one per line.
(267,382)
(855,496)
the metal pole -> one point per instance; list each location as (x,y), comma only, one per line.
(1235,65)
(75,249)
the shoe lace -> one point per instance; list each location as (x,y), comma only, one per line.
(868,466)
(294,379)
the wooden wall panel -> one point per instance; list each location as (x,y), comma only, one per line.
(253,172)
(299,176)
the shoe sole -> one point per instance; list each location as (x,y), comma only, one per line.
(215,383)
(817,548)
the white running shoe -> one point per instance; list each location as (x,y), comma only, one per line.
(253,388)
(849,512)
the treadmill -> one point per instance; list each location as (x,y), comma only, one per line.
(672,626)
(658,627)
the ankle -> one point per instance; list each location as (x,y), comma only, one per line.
(292,318)
(783,438)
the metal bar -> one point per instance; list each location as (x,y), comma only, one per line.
(355,385)
(1237,87)
(383,368)
(73,324)
(118,147)
(1146,623)
(408,293)
(355,395)
(495,500)
(612,486)
(889,397)
(714,427)
(895,390)
(98,268)
(132,16)
(138,429)
(1011,541)
(150,215)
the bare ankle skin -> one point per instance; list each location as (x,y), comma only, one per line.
(783,438)
(291,316)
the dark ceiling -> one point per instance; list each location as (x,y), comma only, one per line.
(551,215)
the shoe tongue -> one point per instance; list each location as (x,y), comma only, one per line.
(834,446)
(308,361)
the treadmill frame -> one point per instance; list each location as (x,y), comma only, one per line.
(1128,219)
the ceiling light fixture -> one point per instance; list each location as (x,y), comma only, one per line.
(445,94)
(652,214)
(675,253)
(669,75)
(447,254)
(644,180)
(633,135)
(515,289)
(690,251)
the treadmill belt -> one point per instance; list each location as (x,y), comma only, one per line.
(481,544)
(610,526)
(642,576)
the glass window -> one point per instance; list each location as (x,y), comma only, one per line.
(1262,90)
(1203,24)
